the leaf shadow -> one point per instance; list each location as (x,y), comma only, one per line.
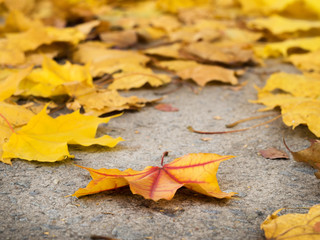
(183,199)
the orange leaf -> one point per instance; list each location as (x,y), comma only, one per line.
(196,171)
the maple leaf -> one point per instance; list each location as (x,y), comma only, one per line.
(194,171)
(10,79)
(46,139)
(108,60)
(170,51)
(225,52)
(12,118)
(137,79)
(200,73)
(100,102)
(306,62)
(49,80)
(279,49)
(293,226)
(174,5)
(278,25)
(310,155)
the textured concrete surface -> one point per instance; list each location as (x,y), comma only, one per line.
(34,206)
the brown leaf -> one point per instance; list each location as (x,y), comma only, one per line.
(164,107)
(310,155)
(228,53)
(273,153)
(121,39)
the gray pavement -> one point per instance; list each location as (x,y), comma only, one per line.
(34,206)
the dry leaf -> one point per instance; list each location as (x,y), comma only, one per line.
(166,107)
(283,48)
(173,6)
(12,117)
(306,62)
(273,153)
(108,60)
(137,79)
(194,171)
(100,102)
(227,53)
(49,80)
(46,139)
(300,105)
(292,226)
(310,155)
(170,51)
(200,73)
(121,39)
(10,79)
(278,25)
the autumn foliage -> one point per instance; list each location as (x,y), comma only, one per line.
(78,56)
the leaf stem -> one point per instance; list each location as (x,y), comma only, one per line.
(164,155)
(234,131)
(6,120)
(231,125)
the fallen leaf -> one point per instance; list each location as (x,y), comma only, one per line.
(170,51)
(283,48)
(227,53)
(310,155)
(46,139)
(121,39)
(100,102)
(12,118)
(108,60)
(306,62)
(279,25)
(300,105)
(173,6)
(166,107)
(10,79)
(49,80)
(137,79)
(292,226)
(296,84)
(200,73)
(194,171)
(273,153)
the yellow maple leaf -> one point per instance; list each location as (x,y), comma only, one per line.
(46,139)
(297,85)
(10,79)
(12,117)
(174,6)
(278,25)
(171,51)
(16,21)
(200,73)
(10,55)
(222,52)
(49,80)
(294,8)
(293,226)
(108,60)
(279,49)
(306,62)
(300,105)
(100,102)
(137,79)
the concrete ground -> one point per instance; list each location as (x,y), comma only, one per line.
(34,206)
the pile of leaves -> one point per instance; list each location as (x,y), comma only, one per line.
(79,55)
